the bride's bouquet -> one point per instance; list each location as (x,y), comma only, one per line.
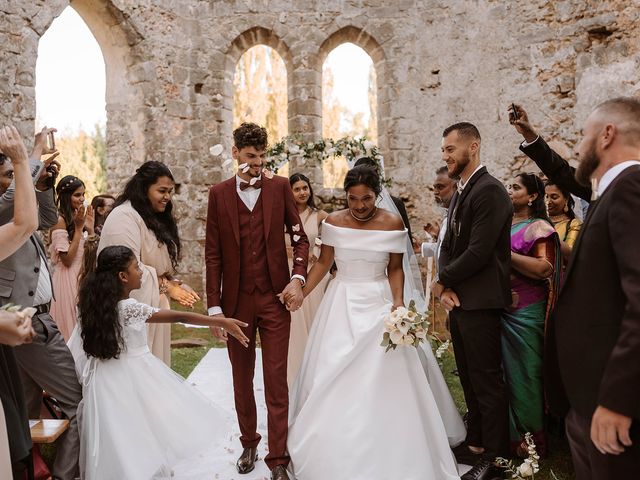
(405,326)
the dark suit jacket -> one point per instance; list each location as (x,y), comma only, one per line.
(222,247)
(403,213)
(595,339)
(475,256)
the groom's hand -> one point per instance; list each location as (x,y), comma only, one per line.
(219,332)
(449,299)
(292,295)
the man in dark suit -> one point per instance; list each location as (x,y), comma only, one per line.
(595,334)
(474,284)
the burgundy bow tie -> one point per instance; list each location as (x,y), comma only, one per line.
(245,185)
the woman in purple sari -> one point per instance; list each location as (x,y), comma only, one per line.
(535,270)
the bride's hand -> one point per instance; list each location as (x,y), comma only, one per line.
(395,306)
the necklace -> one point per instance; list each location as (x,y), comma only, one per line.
(364,219)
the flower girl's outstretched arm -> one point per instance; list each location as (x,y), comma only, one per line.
(319,269)
(231,325)
(396,279)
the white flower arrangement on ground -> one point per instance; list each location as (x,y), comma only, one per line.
(528,468)
(405,326)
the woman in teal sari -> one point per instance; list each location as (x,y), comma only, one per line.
(535,270)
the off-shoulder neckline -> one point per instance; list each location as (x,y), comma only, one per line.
(365,229)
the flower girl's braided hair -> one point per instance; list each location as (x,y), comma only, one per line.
(98,299)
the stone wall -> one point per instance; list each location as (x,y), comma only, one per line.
(170,67)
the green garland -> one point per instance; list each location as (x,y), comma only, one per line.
(314,153)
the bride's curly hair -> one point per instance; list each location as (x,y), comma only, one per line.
(162,224)
(98,299)
(363,175)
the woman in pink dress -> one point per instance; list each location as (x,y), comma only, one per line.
(66,251)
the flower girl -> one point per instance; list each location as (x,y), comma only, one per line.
(138,417)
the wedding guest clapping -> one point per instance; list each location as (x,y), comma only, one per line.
(302,319)
(535,282)
(67,250)
(45,363)
(143,221)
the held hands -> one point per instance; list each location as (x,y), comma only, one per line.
(521,124)
(230,326)
(12,146)
(610,431)
(292,296)
(15,328)
(182,293)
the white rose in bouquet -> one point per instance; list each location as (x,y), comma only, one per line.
(526,469)
(396,337)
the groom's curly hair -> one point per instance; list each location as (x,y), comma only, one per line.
(250,135)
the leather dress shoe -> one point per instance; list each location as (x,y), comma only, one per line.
(464,455)
(247,461)
(279,473)
(483,470)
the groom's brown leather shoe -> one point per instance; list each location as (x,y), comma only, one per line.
(279,473)
(247,461)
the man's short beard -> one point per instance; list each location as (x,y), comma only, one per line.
(460,166)
(588,164)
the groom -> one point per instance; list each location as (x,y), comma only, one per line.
(247,268)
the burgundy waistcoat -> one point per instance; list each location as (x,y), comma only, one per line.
(254,269)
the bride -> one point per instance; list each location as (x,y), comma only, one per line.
(357,412)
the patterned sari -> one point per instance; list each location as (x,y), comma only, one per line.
(523,331)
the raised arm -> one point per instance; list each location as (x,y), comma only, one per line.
(17,230)
(552,165)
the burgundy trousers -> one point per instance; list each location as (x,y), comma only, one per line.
(267,316)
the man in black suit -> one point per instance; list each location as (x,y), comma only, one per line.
(595,344)
(474,284)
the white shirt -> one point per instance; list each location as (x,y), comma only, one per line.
(250,195)
(432,249)
(44,291)
(462,185)
(611,174)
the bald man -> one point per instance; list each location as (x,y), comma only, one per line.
(594,335)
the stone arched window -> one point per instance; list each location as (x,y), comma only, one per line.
(126,75)
(352,64)
(70,96)
(258,55)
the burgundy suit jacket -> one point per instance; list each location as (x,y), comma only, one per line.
(222,246)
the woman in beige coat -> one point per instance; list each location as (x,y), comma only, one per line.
(143,221)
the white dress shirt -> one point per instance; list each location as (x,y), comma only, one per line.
(44,291)
(611,174)
(461,185)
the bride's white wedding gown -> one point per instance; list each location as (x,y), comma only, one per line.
(356,412)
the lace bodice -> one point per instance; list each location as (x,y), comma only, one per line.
(362,255)
(133,318)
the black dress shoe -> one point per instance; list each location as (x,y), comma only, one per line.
(247,461)
(279,473)
(483,470)
(464,455)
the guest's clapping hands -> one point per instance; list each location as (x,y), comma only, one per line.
(610,431)
(292,295)
(12,146)
(90,220)
(182,293)
(15,328)
(520,120)
(449,299)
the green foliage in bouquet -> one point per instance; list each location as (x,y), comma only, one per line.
(405,326)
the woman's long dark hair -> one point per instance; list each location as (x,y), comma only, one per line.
(567,195)
(299,177)
(97,202)
(64,190)
(533,184)
(162,224)
(98,299)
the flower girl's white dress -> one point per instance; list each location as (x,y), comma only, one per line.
(139,417)
(356,412)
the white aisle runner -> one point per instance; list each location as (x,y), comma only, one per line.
(212,376)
